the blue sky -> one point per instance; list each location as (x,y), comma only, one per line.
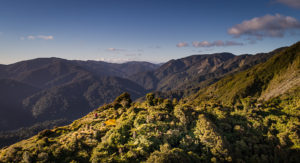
(149,30)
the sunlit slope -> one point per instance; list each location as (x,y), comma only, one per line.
(159,130)
(264,81)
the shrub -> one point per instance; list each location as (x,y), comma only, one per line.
(167,155)
(45,133)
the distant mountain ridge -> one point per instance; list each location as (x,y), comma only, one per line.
(48,69)
(45,88)
(185,76)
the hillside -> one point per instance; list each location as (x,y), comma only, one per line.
(123,70)
(50,89)
(11,102)
(74,100)
(266,80)
(242,117)
(50,78)
(53,87)
(188,75)
(180,69)
(13,136)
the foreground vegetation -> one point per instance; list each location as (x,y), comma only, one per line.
(160,130)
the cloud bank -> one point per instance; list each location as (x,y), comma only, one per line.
(218,43)
(266,26)
(290,3)
(182,44)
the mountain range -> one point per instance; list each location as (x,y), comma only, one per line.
(182,77)
(57,91)
(246,108)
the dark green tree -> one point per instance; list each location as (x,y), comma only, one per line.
(150,99)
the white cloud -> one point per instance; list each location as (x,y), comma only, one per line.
(45,37)
(42,37)
(290,3)
(216,43)
(266,26)
(182,44)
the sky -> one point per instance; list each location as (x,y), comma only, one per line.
(143,30)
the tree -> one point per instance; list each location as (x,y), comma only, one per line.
(150,99)
(123,100)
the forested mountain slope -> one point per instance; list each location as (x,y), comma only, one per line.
(11,95)
(185,76)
